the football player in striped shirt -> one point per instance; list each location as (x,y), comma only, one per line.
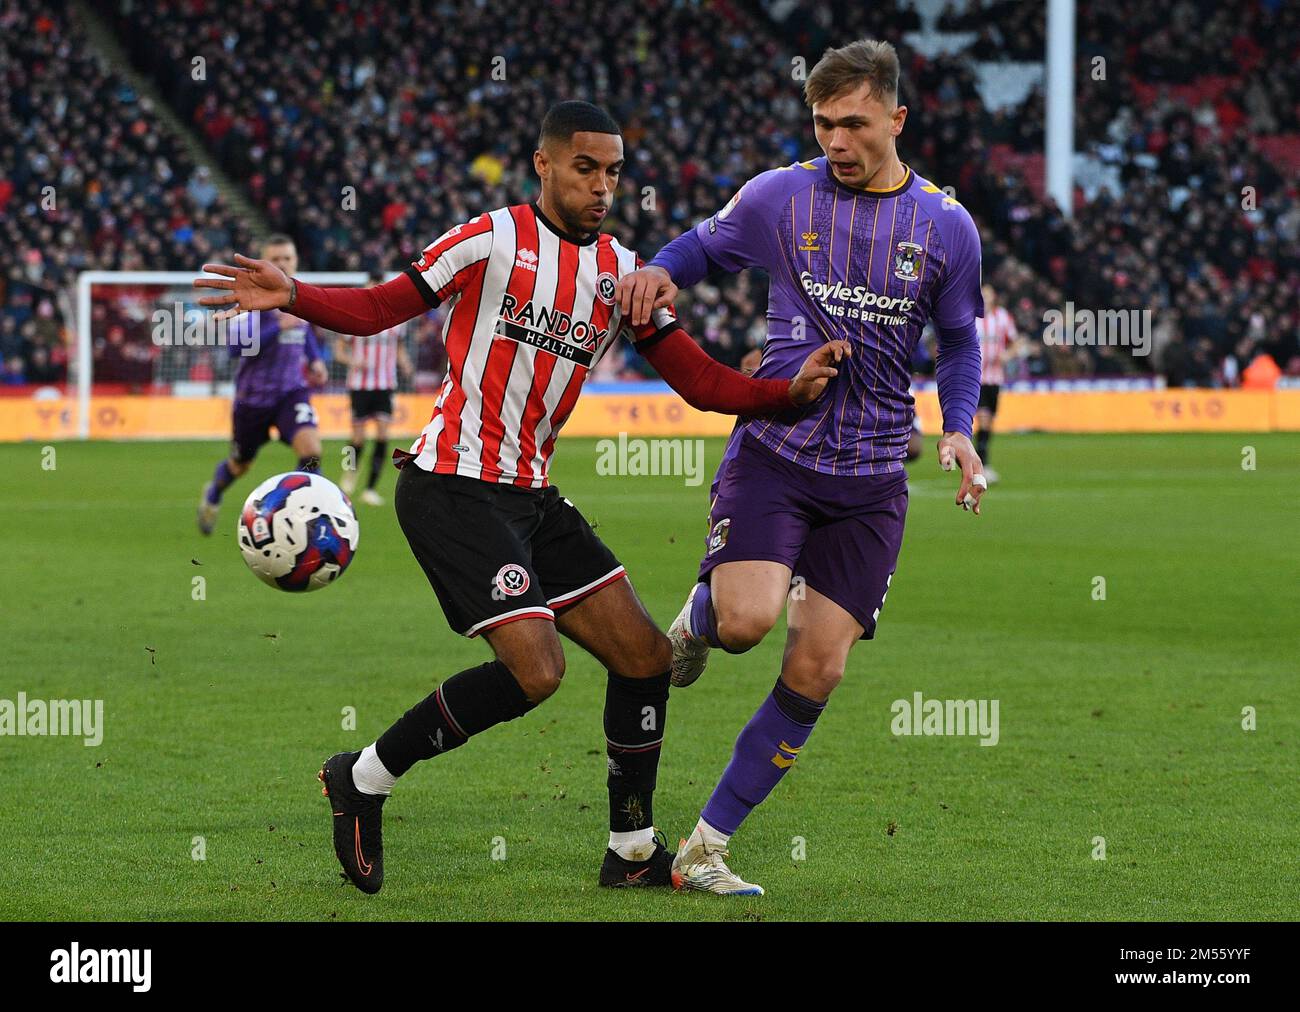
(374,362)
(807,510)
(531,290)
(997,331)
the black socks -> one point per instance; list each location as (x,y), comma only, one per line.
(465,704)
(634,721)
(376,461)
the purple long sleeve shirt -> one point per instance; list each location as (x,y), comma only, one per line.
(866,266)
(279,367)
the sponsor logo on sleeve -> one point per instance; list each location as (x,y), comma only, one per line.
(722,215)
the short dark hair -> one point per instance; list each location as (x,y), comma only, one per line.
(865,61)
(564,119)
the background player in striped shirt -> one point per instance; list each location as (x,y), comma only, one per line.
(271,390)
(532,294)
(374,362)
(997,331)
(808,507)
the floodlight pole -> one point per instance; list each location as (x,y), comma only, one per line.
(1059,98)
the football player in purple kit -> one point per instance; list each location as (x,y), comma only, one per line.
(271,388)
(808,506)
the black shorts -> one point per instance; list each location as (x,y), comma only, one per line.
(371,404)
(495,553)
(989,397)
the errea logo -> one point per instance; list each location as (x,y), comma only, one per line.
(526,259)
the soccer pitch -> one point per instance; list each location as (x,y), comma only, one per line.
(1120,720)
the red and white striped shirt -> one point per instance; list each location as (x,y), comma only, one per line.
(996,331)
(374,360)
(531,313)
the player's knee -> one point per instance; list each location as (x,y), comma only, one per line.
(661,656)
(740,629)
(237,467)
(814,675)
(645,654)
(654,657)
(540,675)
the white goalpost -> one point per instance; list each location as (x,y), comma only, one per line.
(120,308)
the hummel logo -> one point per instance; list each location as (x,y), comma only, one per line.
(526,259)
(784,762)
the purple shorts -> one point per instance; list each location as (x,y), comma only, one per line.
(841,534)
(252,423)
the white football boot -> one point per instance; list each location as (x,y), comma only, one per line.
(690,653)
(701,867)
(372,498)
(348,482)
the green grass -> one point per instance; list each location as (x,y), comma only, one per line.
(1119,718)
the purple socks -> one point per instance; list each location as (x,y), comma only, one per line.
(221,479)
(704,624)
(767,747)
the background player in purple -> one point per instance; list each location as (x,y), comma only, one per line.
(808,507)
(271,389)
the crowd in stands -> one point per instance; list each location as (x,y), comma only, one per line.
(1203,225)
(365,135)
(89,179)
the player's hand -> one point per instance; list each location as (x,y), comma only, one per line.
(955,448)
(248,285)
(642,291)
(318,373)
(752,360)
(816,371)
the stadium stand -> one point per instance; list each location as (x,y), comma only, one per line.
(369,136)
(89,179)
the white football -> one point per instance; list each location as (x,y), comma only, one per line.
(298,532)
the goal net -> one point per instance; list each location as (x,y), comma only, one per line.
(150,362)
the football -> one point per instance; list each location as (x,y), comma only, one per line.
(298,531)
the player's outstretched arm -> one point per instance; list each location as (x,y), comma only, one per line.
(245,286)
(708,385)
(259,285)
